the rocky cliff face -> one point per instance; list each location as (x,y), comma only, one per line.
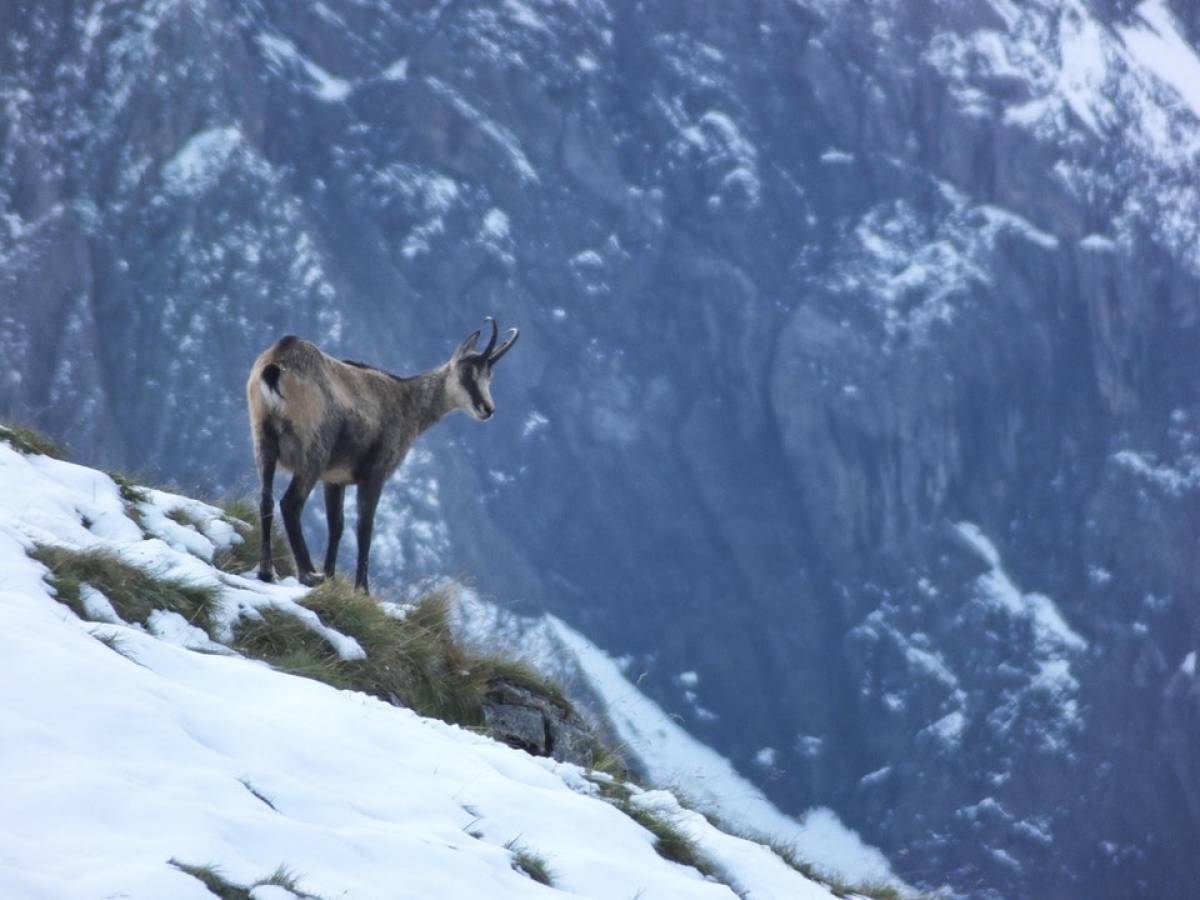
(857,364)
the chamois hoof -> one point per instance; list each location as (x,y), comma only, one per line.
(311,579)
(267,575)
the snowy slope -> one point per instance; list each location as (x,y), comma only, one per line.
(117,762)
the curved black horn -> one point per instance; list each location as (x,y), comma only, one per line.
(503,348)
(487,351)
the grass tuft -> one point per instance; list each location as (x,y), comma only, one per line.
(131,492)
(669,840)
(26,440)
(134,593)
(282,877)
(181,516)
(529,863)
(210,876)
(873,890)
(242,514)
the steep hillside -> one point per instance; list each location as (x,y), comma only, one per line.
(147,758)
(857,365)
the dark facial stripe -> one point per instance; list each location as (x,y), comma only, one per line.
(473,392)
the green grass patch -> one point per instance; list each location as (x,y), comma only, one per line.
(242,514)
(134,593)
(26,440)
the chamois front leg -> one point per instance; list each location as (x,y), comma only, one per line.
(368,500)
(335,494)
(292,505)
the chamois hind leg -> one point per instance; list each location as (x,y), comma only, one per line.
(368,500)
(334,495)
(292,505)
(267,451)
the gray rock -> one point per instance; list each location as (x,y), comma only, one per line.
(538,724)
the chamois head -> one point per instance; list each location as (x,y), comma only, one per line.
(470,376)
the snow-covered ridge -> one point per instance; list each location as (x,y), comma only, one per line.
(151,753)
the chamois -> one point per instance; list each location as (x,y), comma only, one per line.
(344,422)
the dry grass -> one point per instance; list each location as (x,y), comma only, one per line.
(414,661)
(529,863)
(134,593)
(216,883)
(27,440)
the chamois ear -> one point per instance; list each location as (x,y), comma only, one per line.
(466,346)
(494,358)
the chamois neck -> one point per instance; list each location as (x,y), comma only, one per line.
(428,397)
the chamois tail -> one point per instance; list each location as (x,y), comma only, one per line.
(269,385)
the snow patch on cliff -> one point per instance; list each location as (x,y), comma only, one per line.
(1158,45)
(284,57)
(198,164)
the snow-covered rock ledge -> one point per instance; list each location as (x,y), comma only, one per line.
(118,762)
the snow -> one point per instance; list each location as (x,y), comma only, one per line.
(397,71)
(214,532)
(1098,243)
(950,728)
(1050,628)
(283,55)
(495,224)
(127,751)
(766,757)
(523,14)
(1004,218)
(719,138)
(878,776)
(498,134)
(1174,480)
(765,875)
(1157,44)
(1084,65)
(1188,666)
(197,165)
(836,156)
(534,423)
(674,758)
